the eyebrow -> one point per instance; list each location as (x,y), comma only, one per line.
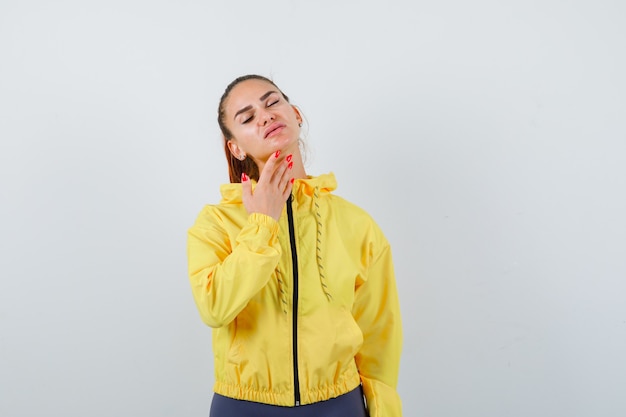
(263,97)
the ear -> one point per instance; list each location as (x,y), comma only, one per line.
(235,150)
(297,112)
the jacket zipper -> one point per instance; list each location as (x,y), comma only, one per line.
(294,261)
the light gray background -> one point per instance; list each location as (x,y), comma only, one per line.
(487,138)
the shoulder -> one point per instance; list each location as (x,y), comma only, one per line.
(345,206)
(231,202)
(215,215)
(351,218)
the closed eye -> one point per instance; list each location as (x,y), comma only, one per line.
(272,103)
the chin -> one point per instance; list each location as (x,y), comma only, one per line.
(283,142)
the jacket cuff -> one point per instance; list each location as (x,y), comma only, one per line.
(264,220)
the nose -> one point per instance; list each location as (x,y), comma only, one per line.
(266,117)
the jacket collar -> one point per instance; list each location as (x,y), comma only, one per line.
(325,183)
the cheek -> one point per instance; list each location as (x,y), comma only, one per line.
(245,134)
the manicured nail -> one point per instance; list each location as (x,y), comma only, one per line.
(289,157)
(290,165)
(244,177)
(277,154)
(292,180)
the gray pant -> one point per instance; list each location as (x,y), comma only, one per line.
(347,405)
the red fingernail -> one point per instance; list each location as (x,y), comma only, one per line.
(289,158)
(290,165)
(292,180)
(244,177)
(277,154)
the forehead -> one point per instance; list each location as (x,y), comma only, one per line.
(247,92)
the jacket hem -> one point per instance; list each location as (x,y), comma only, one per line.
(345,384)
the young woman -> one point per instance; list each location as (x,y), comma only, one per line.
(297,283)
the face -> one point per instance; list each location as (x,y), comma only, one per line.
(261,120)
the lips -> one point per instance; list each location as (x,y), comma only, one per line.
(273,129)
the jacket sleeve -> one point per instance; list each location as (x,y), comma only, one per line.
(225,275)
(377,311)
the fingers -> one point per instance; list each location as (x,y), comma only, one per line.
(246,188)
(270,167)
(284,178)
(275,169)
(288,188)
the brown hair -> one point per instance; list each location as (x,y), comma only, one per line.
(235,166)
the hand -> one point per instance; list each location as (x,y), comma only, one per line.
(272,190)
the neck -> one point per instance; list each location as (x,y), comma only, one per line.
(298,171)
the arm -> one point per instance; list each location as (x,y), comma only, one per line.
(377,311)
(225,275)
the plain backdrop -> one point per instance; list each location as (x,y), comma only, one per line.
(487,139)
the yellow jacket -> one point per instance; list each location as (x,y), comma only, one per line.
(289,335)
